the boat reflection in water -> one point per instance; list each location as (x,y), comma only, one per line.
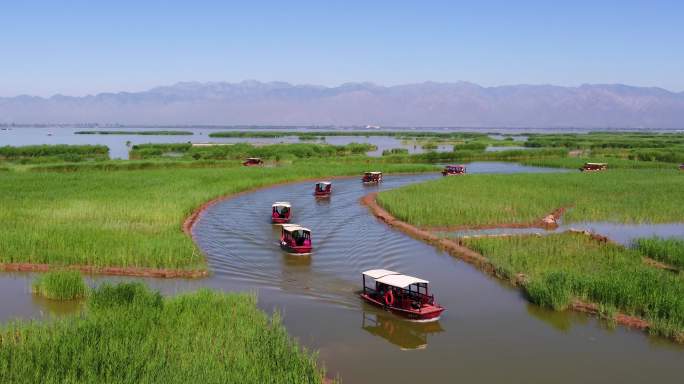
(407,335)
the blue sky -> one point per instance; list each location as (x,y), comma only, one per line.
(81,47)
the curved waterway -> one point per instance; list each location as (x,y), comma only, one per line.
(489,333)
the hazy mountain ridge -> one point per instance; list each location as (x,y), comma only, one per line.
(423,104)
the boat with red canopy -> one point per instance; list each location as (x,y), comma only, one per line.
(594,167)
(372,177)
(281,212)
(295,239)
(252,161)
(403,295)
(451,170)
(323,189)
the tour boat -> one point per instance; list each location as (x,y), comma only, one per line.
(295,239)
(281,212)
(594,167)
(372,177)
(451,170)
(681,167)
(323,189)
(403,295)
(251,161)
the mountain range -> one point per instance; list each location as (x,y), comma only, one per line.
(459,104)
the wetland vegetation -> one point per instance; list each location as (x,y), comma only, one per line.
(240,151)
(625,196)
(129,333)
(144,133)
(669,251)
(559,268)
(132,219)
(51,153)
(60,285)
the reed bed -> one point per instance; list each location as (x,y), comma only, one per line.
(625,196)
(144,133)
(597,140)
(130,165)
(669,251)
(50,153)
(131,218)
(243,150)
(613,163)
(463,155)
(129,334)
(402,134)
(395,151)
(561,267)
(642,146)
(60,285)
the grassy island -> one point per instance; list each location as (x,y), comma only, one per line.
(629,196)
(129,334)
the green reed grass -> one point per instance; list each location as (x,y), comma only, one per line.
(613,163)
(243,150)
(144,133)
(129,334)
(561,267)
(670,251)
(626,196)
(367,133)
(51,153)
(60,285)
(132,218)
(463,155)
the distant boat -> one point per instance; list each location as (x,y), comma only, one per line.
(49,133)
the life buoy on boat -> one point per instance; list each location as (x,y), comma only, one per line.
(389,298)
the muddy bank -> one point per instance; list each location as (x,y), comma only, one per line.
(112,271)
(480,261)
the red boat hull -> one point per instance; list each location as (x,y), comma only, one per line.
(280,220)
(426,313)
(302,249)
(321,194)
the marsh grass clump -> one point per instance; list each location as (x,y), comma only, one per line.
(561,267)
(395,151)
(552,291)
(60,285)
(130,334)
(670,251)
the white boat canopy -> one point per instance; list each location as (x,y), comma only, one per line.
(378,273)
(400,281)
(324,182)
(375,173)
(282,204)
(601,164)
(294,227)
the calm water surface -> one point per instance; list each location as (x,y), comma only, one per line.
(489,333)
